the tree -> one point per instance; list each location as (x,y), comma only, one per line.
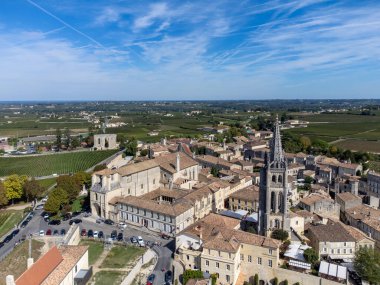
(3,198)
(275,281)
(256,279)
(310,255)
(367,264)
(14,186)
(144,152)
(75,143)
(131,147)
(58,138)
(70,185)
(309,179)
(191,274)
(214,171)
(280,234)
(33,189)
(305,142)
(83,178)
(68,137)
(57,199)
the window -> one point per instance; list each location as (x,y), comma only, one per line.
(332,251)
(345,244)
(229,255)
(344,250)
(270,263)
(188,258)
(270,251)
(228,278)
(154,181)
(219,253)
(228,267)
(259,261)
(249,258)
(142,186)
(76,268)
(207,263)
(129,190)
(242,257)
(338,250)
(217,265)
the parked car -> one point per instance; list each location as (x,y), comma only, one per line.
(165,236)
(90,233)
(99,221)
(96,234)
(44,200)
(168,277)
(24,223)
(54,222)
(140,241)
(8,238)
(109,222)
(114,234)
(39,207)
(120,237)
(83,233)
(134,240)
(150,280)
(87,214)
(48,232)
(15,232)
(122,226)
(56,232)
(42,233)
(75,221)
(63,232)
(100,234)
(74,214)
(46,216)
(66,217)
(1,244)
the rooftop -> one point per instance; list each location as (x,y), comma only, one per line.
(129,168)
(250,193)
(331,232)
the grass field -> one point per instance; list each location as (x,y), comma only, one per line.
(94,251)
(15,262)
(47,182)
(108,277)
(121,256)
(8,220)
(50,164)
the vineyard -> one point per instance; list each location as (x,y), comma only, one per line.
(50,164)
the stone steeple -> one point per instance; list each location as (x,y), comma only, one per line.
(276,151)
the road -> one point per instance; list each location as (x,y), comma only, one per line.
(165,251)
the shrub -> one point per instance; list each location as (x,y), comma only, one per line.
(280,234)
(275,281)
(256,279)
(190,274)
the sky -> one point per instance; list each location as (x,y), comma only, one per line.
(189,50)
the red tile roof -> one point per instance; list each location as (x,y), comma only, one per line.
(41,269)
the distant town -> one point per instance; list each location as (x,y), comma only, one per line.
(192,193)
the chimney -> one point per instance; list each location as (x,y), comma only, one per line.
(29,262)
(177,164)
(10,280)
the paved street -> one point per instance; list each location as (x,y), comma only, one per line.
(165,251)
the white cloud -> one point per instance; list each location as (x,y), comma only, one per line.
(156,11)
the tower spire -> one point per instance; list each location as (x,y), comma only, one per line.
(276,151)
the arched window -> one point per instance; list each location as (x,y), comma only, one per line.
(280,201)
(272,202)
(273,178)
(280,178)
(277,224)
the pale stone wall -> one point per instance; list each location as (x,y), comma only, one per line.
(81,264)
(101,141)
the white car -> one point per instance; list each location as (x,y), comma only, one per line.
(122,225)
(44,200)
(140,241)
(96,234)
(42,233)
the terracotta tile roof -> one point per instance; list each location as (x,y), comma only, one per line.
(214,160)
(348,196)
(250,193)
(331,232)
(41,269)
(71,256)
(313,198)
(305,214)
(130,168)
(219,233)
(168,162)
(358,235)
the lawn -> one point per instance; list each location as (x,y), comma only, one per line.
(15,262)
(108,277)
(8,220)
(121,256)
(49,164)
(360,145)
(94,251)
(47,183)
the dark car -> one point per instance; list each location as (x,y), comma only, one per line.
(114,234)
(109,222)
(8,238)
(66,217)
(120,237)
(28,218)
(133,239)
(150,279)
(15,232)
(75,221)
(55,222)
(74,214)
(48,232)
(168,276)
(90,233)
(24,223)
(1,244)
(100,234)
(83,232)
(55,232)
(63,232)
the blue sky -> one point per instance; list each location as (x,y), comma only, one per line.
(174,50)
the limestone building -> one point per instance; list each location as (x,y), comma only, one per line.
(105,141)
(273,210)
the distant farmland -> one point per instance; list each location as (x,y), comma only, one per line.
(49,164)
